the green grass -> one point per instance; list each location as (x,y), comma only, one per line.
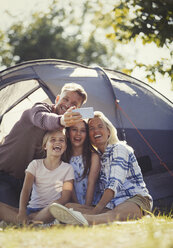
(153,232)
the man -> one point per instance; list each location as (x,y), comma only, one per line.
(23,143)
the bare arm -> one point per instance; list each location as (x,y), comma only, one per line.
(74,197)
(24,196)
(66,192)
(106,198)
(92,178)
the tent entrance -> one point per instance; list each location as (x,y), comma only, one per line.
(15,98)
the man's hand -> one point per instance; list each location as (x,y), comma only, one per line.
(70,118)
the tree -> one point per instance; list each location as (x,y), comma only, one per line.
(48,36)
(152,21)
(41,39)
(5,50)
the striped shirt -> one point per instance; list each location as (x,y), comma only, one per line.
(121,173)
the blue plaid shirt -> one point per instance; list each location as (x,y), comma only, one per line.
(121,173)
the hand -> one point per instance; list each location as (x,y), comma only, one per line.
(97,210)
(22,218)
(70,118)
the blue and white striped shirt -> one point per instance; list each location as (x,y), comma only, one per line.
(121,173)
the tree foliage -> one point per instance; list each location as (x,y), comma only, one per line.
(152,21)
(55,34)
(61,33)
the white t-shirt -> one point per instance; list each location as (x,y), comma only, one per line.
(48,184)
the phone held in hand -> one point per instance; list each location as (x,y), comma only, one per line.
(85,112)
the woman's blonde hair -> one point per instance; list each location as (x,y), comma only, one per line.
(113,138)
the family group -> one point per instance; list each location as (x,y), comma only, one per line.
(56,167)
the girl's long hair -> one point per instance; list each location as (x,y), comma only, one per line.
(86,151)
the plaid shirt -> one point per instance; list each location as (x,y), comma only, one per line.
(121,173)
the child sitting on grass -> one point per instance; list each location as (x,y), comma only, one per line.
(48,180)
(86,164)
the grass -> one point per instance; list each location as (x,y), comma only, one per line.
(153,232)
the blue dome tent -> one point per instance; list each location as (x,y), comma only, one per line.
(142,116)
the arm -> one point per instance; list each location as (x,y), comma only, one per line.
(24,196)
(92,178)
(66,192)
(117,175)
(74,197)
(41,115)
(106,198)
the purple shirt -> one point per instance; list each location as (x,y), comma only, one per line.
(24,142)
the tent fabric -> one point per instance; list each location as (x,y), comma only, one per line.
(140,109)
(8,96)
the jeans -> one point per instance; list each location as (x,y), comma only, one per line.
(10,188)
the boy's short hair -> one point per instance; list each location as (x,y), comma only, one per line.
(75,88)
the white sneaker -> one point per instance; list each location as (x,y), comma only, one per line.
(66,215)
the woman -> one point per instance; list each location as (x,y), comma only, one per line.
(124,194)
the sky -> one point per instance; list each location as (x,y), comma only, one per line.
(22,9)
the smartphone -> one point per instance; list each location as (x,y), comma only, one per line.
(85,112)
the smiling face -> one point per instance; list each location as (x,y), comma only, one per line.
(55,144)
(66,100)
(98,133)
(77,134)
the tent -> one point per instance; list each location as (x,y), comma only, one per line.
(142,116)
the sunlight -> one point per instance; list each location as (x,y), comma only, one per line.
(21,10)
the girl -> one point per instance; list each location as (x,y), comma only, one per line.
(85,162)
(50,180)
(125,195)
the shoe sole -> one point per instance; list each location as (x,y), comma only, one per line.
(64,215)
